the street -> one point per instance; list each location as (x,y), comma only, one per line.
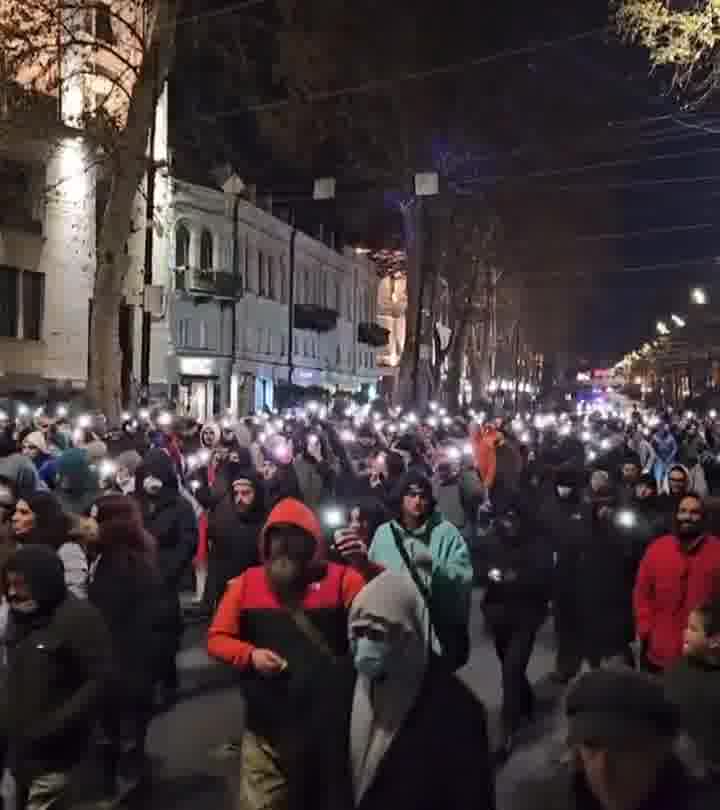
(210,713)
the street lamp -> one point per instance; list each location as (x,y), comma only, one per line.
(698,296)
(662,328)
(678,321)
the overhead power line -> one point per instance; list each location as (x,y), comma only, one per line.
(220,12)
(647,232)
(374,85)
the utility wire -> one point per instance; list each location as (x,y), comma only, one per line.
(379,84)
(220,12)
(647,232)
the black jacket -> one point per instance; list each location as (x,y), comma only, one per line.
(439,759)
(520,597)
(169,517)
(601,577)
(58,668)
(233,542)
(140,614)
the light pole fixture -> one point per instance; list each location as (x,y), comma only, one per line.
(662,328)
(698,296)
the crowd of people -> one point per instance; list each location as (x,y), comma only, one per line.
(334,549)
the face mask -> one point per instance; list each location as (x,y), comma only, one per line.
(370,657)
(28,607)
(123,482)
(152,485)
(564,492)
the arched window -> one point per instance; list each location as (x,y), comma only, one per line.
(182,246)
(206,250)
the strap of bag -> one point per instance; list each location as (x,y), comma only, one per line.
(411,567)
(304,624)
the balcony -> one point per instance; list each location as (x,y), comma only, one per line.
(372,334)
(314,318)
(208,283)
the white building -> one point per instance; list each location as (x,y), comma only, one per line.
(193,355)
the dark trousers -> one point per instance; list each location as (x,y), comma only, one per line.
(514,645)
(568,658)
(123,726)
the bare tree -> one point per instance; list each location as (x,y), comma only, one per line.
(107,64)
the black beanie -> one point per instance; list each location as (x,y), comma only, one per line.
(43,572)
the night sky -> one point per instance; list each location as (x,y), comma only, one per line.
(605,183)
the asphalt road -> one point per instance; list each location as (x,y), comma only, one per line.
(210,712)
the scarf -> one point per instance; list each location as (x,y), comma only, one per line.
(379,708)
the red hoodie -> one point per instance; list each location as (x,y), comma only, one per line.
(671,583)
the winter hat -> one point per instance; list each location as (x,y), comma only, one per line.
(36,439)
(608,707)
(414,480)
(290,512)
(73,466)
(43,572)
(158,464)
(47,509)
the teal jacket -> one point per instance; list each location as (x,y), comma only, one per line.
(451,579)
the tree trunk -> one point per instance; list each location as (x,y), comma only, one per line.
(129,163)
(407,360)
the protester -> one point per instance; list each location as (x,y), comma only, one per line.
(432,551)
(127,589)
(59,659)
(39,519)
(693,686)
(283,625)
(381,735)
(78,487)
(516,600)
(233,530)
(677,575)
(621,730)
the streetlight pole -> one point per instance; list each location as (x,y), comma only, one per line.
(234,187)
(426,185)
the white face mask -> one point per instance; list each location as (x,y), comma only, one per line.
(564,492)
(152,485)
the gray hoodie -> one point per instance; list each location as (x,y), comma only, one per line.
(21,471)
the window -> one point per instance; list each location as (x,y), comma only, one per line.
(33,285)
(338,298)
(182,246)
(283,281)
(183,332)
(103,24)
(262,284)
(338,356)
(9,315)
(296,344)
(308,289)
(206,250)
(21,304)
(271,278)
(283,345)
(203,342)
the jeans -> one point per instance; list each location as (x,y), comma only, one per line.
(514,646)
(264,781)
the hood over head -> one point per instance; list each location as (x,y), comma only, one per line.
(43,572)
(290,512)
(392,598)
(96,451)
(73,470)
(19,470)
(213,429)
(158,464)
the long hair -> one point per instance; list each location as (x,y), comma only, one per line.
(120,528)
(52,524)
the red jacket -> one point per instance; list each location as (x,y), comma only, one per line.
(671,583)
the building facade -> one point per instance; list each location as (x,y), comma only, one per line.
(223,339)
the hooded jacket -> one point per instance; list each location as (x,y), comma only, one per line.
(168,516)
(251,616)
(59,660)
(78,487)
(18,469)
(233,536)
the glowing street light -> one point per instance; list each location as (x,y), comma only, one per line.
(698,296)
(662,328)
(678,321)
